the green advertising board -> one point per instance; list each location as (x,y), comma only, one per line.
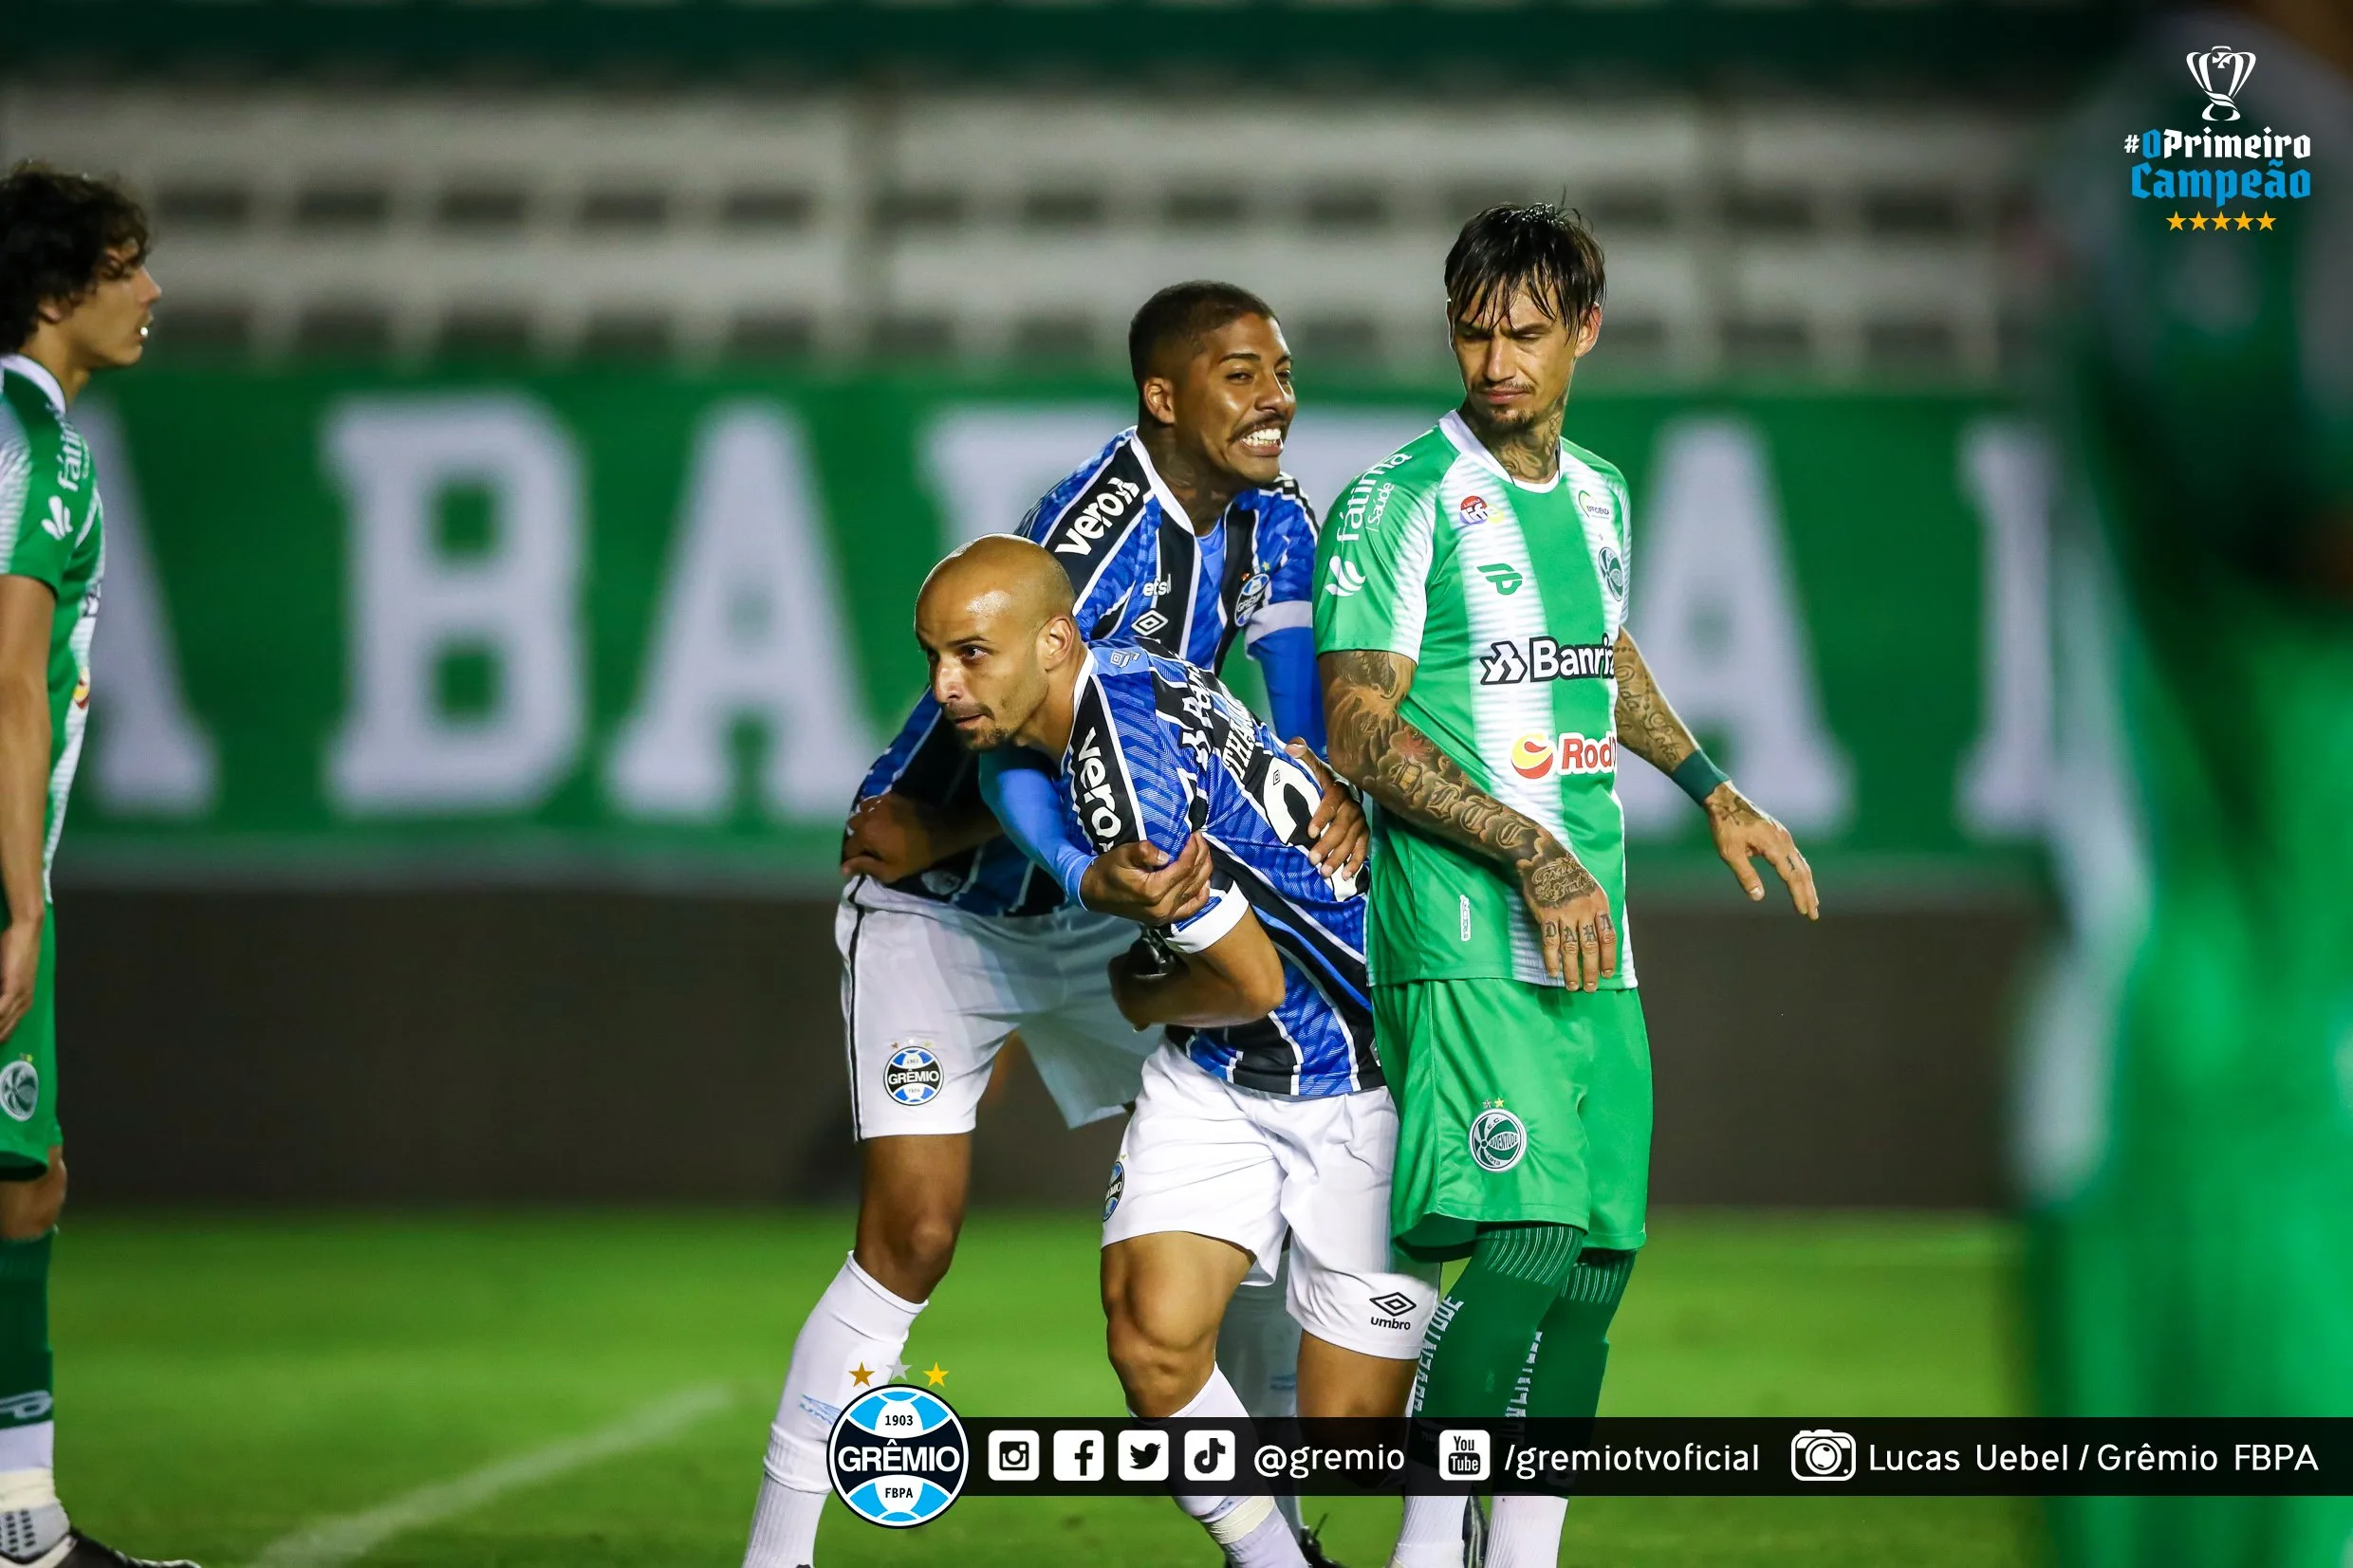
(609,625)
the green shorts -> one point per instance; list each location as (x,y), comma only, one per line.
(1515,1102)
(28,1074)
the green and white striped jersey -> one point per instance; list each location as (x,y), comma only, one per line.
(50,529)
(1507,597)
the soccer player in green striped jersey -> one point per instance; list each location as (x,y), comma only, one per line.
(75,297)
(1479,684)
(2187,1126)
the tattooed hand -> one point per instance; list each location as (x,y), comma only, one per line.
(1571,911)
(1742,831)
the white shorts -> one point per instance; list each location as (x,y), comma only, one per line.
(1205,1157)
(929,994)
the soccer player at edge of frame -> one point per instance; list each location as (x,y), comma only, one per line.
(1262,1116)
(970,909)
(1480,681)
(75,299)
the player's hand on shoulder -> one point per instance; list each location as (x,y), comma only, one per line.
(1743,832)
(1338,837)
(888,837)
(1572,915)
(1140,882)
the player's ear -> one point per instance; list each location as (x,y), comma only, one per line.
(1588,331)
(1157,396)
(1058,640)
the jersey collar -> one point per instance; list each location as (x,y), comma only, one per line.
(1473,448)
(38,374)
(1170,506)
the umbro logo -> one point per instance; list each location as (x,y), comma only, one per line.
(1393,1311)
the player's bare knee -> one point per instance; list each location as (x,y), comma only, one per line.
(908,1252)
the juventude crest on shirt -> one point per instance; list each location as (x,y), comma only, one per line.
(19,1089)
(1613,571)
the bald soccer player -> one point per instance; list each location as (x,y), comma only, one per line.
(1182,533)
(1263,1116)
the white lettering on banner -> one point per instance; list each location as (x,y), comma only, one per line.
(155,758)
(411,604)
(748,628)
(2006,472)
(1328,447)
(1717,616)
(986,465)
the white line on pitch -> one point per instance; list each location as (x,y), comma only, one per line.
(335,1542)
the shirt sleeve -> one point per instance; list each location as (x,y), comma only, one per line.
(46,486)
(1286,658)
(1129,783)
(1021,793)
(1373,569)
(1290,552)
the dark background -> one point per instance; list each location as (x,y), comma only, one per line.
(559,1044)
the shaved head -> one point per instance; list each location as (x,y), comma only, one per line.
(995,621)
(1032,583)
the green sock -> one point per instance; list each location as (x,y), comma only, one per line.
(25,1389)
(1480,1336)
(1566,1377)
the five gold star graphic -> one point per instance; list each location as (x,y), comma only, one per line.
(937,1375)
(861,1374)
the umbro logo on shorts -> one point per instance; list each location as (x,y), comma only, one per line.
(1389,1311)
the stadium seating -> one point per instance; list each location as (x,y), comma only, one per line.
(1821,239)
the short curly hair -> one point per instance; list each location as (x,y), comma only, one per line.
(60,235)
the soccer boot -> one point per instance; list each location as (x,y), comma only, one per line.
(1311,1547)
(79,1551)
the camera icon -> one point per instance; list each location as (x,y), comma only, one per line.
(1824,1455)
(1013,1456)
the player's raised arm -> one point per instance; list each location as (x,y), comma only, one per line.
(1403,768)
(1647,726)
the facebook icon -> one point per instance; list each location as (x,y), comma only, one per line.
(1079,1456)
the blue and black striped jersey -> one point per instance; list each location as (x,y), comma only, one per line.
(1138,571)
(1160,751)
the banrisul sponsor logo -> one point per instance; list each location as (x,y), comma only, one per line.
(899,1456)
(2221,161)
(1509,662)
(1108,506)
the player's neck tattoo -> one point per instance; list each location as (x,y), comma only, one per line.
(1531,452)
(1205,496)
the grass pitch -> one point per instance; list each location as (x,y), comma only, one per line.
(225,1383)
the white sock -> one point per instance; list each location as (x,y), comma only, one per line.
(1526,1531)
(1429,1535)
(856,1326)
(32,1521)
(1249,1529)
(1258,1351)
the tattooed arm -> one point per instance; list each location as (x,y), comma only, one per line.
(1403,768)
(1647,727)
